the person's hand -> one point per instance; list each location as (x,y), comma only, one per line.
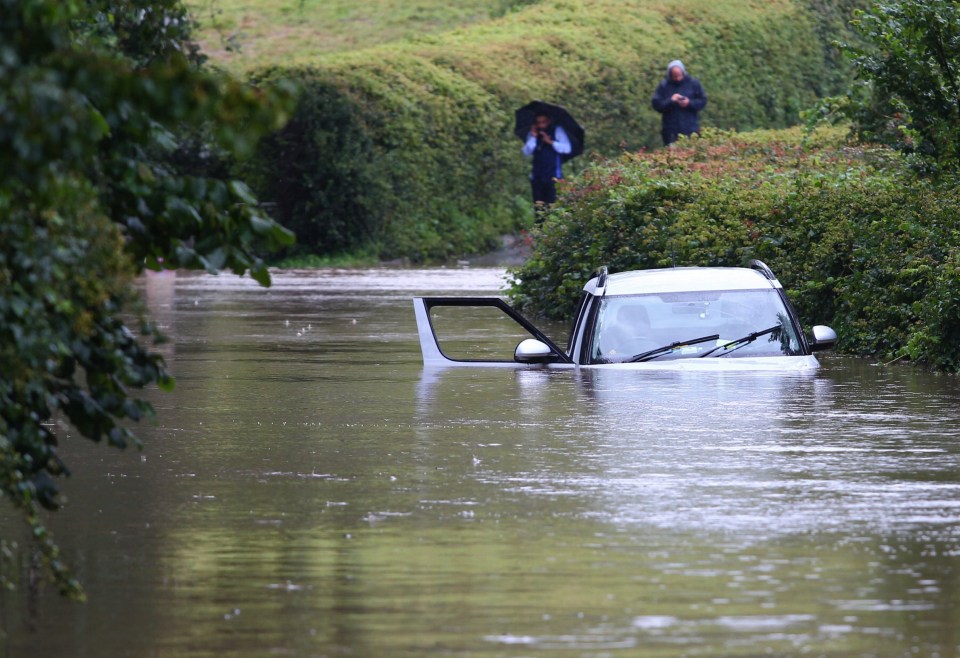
(545,136)
(683,102)
(534,132)
(676,98)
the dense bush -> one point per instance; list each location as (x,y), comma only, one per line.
(909,65)
(409,146)
(336,215)
(418,177)
(856,239)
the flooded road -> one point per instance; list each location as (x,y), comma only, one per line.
(308,490)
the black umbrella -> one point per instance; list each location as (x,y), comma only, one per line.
(526,115)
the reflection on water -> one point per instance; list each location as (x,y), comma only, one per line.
(309,490)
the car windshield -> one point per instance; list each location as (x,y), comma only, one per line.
(746,323)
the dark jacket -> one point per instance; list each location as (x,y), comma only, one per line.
(679,120)
(546,161)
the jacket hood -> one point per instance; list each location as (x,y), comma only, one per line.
(676,62)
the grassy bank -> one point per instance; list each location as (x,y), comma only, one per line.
(244,34)
(856,238)
(407,147)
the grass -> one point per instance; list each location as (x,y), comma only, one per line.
(245,34)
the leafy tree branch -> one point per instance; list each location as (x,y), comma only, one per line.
(98,101)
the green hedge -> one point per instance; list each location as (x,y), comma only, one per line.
(409,148)
(856,239)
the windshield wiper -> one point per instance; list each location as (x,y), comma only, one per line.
(660,351)
(741,342)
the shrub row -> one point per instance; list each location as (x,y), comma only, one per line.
(409,148)
(856,239)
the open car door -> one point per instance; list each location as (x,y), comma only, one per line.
(480,331)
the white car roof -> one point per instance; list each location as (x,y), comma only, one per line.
(683,279)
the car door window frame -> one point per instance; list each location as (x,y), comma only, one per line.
(429,303)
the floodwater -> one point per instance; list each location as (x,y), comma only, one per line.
(308,490)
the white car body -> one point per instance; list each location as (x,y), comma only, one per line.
(690,318)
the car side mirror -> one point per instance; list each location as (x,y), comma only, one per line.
(823,338)
(532,350)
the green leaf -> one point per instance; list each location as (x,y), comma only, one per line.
(241,190)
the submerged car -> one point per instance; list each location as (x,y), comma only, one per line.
(682,318)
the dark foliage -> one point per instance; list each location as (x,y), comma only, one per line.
(99,101)
(909,62)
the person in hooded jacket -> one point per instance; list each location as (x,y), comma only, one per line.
(679,98)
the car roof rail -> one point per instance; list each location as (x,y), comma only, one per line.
(763,268)
(602,272)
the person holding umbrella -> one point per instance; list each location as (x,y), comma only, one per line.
(545,144)
(551,137)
